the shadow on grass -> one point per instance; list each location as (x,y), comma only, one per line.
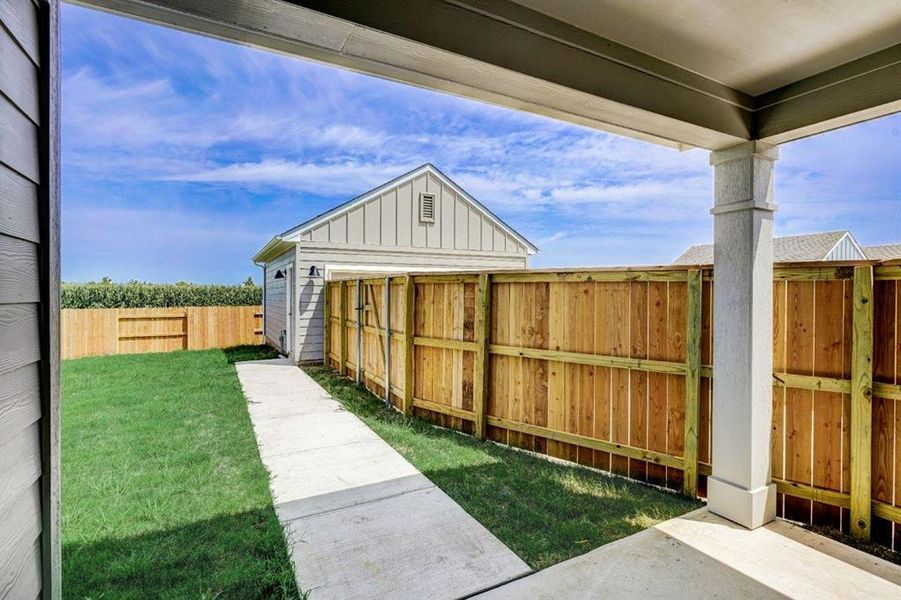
(241,353)
(544,511)
(231,556)
(548,513)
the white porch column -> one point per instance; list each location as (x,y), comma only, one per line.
(740,487)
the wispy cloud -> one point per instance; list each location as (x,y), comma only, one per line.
(318,178)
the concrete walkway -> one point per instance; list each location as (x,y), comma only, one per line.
(361,521)
(700,555)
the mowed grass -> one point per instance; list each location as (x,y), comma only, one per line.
(544,511)
(163,491)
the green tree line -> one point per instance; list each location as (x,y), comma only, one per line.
(137,294)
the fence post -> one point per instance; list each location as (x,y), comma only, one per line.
(387,302)
(326,325)
(409,325)
(360,305)
(861,401)
(692,383)
(480,376)
(118,331)
(342,326)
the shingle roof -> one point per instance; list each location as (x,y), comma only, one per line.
(790,248)
(884,252)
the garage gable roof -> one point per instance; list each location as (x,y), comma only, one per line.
(294,234)
(789,248)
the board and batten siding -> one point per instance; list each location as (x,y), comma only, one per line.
(392,220)
(29,300)
(274,302)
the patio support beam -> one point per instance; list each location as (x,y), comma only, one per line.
(740,488)
(860,90)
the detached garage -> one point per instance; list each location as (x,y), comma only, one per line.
(421,221)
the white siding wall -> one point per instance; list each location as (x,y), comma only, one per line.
(275,298)
(308,322)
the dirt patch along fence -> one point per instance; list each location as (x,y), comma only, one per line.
(100,331)
(612,369)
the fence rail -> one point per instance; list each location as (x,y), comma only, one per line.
(612,368)
(99,331)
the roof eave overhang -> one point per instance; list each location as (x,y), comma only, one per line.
(504,53)
(273,248)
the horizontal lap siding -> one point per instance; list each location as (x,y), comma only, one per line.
(308,321)
(274,301)
(20,297)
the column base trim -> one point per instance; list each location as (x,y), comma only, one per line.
(748,508)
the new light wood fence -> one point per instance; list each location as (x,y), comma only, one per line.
(612,369)
(99,331)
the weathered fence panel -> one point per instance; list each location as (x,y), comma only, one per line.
(612,369)
(100,331)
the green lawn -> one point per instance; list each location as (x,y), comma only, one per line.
(163,491)
(544,511)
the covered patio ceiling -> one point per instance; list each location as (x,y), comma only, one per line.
(683,74)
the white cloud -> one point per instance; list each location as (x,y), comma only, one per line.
(554,237)
(321,179)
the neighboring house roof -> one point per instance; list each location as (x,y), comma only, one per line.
(282,242)
(884,252)
(790,248)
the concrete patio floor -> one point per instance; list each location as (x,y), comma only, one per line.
(361,522)
(701,555)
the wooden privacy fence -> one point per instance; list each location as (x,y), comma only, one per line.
(98,331)
(612,369)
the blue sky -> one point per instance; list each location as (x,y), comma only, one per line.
(183,155)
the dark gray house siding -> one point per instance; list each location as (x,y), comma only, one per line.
(29,305)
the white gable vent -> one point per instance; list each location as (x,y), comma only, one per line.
(426,208)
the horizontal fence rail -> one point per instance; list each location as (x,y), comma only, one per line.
(101,331)
(612,368)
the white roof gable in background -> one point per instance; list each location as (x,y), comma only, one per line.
(789,248)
